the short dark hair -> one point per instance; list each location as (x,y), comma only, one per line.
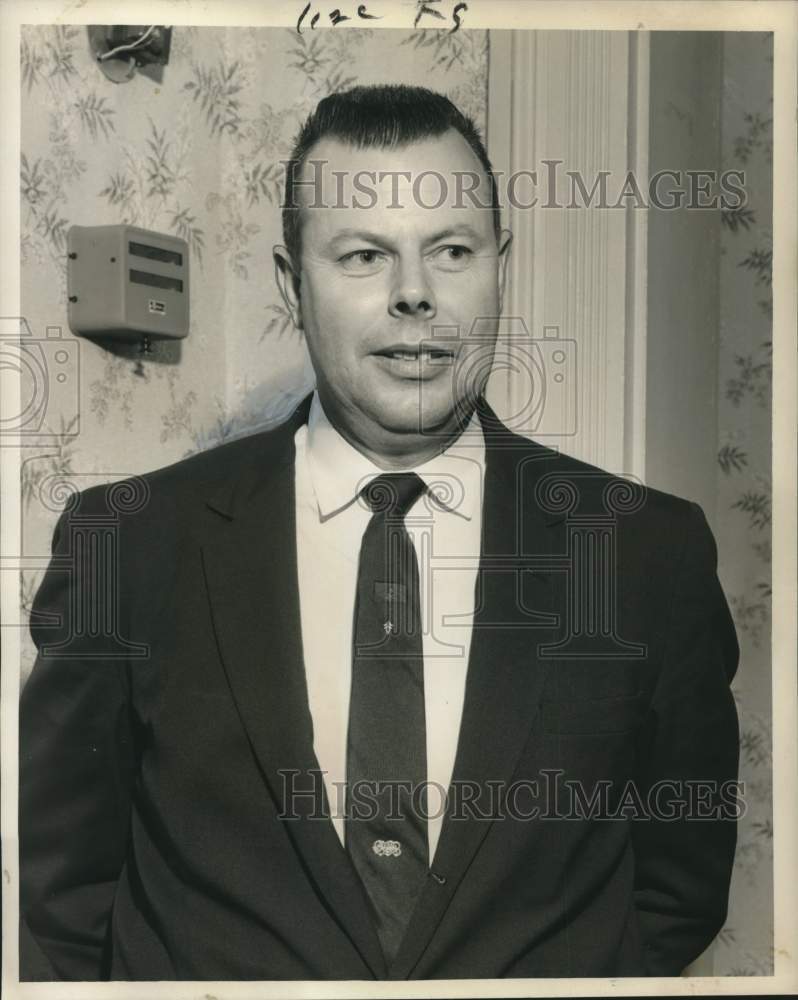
(383,116)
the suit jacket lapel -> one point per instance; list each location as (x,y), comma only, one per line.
(504,679)
(250,568)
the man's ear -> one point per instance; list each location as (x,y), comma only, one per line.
(287,279)
(505,239)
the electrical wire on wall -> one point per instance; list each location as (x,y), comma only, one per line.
(122,49)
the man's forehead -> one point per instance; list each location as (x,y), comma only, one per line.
(448,151)
(426,176)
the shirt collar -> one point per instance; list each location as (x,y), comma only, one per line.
(338,471)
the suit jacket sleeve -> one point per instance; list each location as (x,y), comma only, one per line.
(690,750)
(76,769)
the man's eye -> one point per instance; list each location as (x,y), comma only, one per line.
(453,256)
(362,260)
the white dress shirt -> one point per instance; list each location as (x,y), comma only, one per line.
(445,528)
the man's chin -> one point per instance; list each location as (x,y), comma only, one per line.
(419,416)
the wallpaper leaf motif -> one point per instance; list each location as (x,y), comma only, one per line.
(730,457)
(64,166)
(183,223)
(280,322)
(750,616)
(215,89)
(264,180)
(337,80)
(31,63)
(752,379)
(235,233)
(266,131)
(755,503)
(760,261)
(54,227)
(95,115)
(32,180)
(119,190)
(61,52)
(176,420)
(310,55)
(47,56)
(160,174)
(448,48)
(744,484)
(757,136)
(737,218)
(112,394)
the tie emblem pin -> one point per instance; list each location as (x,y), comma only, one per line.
(387,848)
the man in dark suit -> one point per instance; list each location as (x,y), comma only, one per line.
(388,691)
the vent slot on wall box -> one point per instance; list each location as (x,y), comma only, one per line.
(155,253)
(156,280)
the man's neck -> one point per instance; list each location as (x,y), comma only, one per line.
(395,451)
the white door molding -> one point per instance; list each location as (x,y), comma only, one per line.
(579,98)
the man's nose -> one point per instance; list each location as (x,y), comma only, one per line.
(412,293)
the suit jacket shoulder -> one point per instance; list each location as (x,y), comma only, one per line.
(561,484)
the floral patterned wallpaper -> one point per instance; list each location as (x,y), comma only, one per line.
(742,515)
(199,155)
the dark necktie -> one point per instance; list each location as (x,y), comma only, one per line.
(386,824)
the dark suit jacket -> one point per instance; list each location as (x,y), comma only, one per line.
(169,695)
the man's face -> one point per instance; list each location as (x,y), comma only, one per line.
(378,282)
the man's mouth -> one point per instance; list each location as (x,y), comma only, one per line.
(421,362)
(418,353)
